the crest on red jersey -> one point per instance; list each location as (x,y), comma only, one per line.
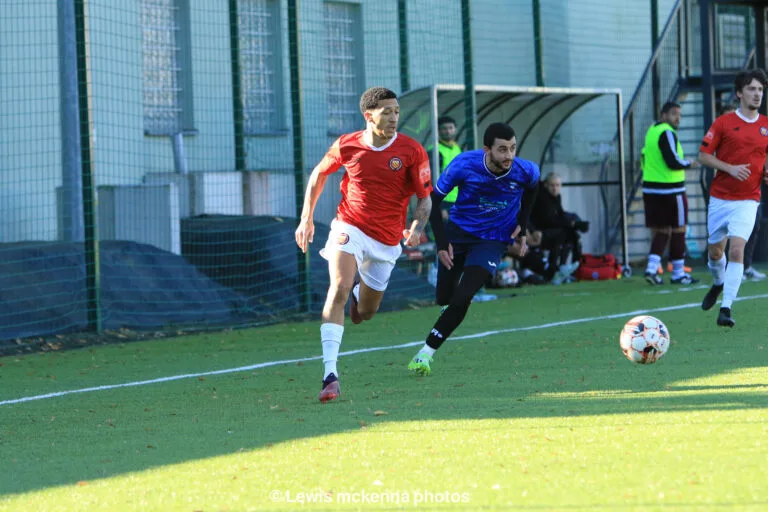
(709,135)
(763,131)
(395,164)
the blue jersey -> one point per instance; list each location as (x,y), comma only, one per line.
(487,205)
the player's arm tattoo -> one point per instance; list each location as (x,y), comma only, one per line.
(421,213)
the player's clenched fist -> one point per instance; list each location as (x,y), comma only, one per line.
(304,234)
(413,235)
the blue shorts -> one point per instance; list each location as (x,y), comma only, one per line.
(471,251)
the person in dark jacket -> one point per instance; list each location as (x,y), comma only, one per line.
(560,229)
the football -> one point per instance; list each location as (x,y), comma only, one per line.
(507,278)
(644,339)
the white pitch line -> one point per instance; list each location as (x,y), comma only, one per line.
(358,351)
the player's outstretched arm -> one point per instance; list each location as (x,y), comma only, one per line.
(420,216)
(306,230)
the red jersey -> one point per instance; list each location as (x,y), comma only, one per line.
(379,183)
(736,141)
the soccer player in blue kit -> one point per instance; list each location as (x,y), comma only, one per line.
(496,195)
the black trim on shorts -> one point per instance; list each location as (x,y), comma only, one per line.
(649,186)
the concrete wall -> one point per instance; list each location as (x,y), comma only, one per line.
(587,43)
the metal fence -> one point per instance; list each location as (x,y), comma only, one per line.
(155,152)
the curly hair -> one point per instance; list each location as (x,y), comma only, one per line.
(745,78)
(371,98)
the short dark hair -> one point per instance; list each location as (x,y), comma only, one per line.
(445,119)
(371,98)
(497,131)
(744,78)
(669,106)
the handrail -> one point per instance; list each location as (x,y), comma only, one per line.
(632,189)
(654,57)
(702,173)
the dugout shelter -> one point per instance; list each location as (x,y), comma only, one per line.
(536,114)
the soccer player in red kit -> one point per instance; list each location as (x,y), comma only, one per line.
(735,146)
(384,169)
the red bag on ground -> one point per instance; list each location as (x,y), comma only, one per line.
(598,267)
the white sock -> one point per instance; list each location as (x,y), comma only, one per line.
(330,337)
(733,276)
(678,269)
(654,262)
(428,350)
(717,268)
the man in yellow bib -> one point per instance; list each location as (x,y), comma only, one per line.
(666,205)
(448,149)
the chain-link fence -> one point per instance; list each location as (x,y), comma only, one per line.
(155,152)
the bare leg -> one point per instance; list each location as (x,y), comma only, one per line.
(342,268)
(369,301)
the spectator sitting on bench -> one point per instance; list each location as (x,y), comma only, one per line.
(535,268)
(560,229)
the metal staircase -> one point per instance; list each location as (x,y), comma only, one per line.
(689,133)
(673,74)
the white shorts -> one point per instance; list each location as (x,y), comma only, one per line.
(730,218)
(375,260)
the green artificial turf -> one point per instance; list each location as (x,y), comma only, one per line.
(548,418)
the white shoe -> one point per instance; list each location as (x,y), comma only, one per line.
(753,274)
(564,272)
(484,297)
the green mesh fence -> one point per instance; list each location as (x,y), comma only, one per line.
(151,149)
